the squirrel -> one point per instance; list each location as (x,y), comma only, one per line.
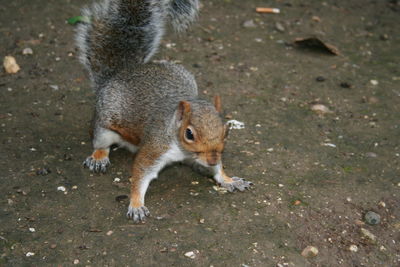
(152,109)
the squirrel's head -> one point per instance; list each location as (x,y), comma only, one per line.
(202,132)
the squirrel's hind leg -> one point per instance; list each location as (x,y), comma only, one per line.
(102,140)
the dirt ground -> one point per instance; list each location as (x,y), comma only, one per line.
(316,175)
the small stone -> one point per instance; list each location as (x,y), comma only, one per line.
(320,79)
(367,234)
(53,246)
(382,204)
(279,27)
(10,65)
(320,109)
(374,82)
(309,252)
(249,24)
(316,18)
(76,261)
(29,254)
(54,87)
(74,187)
(359,222)
(353,248)
(27,51)
(384,37)
(61,188)
(109,232)
(32,230)
(117,180)
(371,155)
(297,202)
(201,221)
(191,254)
(372,218)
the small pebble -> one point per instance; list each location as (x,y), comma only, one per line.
(249,24)
(27,51)
(279,27)
(61,188)
(32,230)
(297,202)
(53,246)
(353,248)
(384,37)
(10,65)
(109,232)
(117,180)
(201,221)
(309,252)
(367,234)
(374,82)
(371,155)
(30,254)
(372,218)
(320,109)
(54,87)
(76,261)
(320,79)
(191,254)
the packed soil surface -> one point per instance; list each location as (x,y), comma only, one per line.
(321,142)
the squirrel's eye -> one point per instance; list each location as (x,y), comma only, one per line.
(189,135)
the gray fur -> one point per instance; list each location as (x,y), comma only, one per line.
(125,33)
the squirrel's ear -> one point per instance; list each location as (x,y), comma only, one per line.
(217,103)
(183,109)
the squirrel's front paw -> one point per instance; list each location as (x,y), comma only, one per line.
(137,214)
(237,183)
(96,165)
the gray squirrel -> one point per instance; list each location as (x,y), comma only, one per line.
(152,109)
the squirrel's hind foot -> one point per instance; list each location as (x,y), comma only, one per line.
(138,214)
(237,183)
(98,161)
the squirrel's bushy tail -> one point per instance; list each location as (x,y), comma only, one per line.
(127,32)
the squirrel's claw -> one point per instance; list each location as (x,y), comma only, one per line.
(238,183)
(138,214)
(96,165)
